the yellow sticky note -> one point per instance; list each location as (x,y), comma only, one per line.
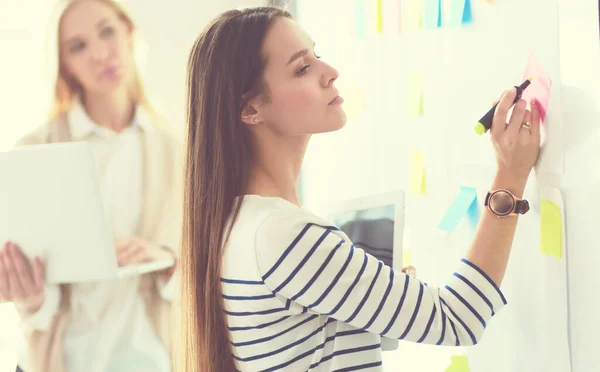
(458,363)
(417,178)
(551,229)
(379,16)
(411,15)
(415,93)
(406,257)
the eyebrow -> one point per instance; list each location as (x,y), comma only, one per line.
(101,22)
(299,54)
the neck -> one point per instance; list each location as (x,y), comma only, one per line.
(276,166)
(113,111)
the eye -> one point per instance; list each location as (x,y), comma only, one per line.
(302,70)
(107,32)
(76,47)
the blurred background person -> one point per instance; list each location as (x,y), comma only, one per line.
(124,324)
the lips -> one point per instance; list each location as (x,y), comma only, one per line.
(110,71)
(336,101)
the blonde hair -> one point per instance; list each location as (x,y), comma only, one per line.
(65,90)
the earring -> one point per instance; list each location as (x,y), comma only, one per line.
(255,120)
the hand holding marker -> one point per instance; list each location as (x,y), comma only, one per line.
(485,123)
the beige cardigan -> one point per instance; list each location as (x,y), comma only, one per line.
(161,223)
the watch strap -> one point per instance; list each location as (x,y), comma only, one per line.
(521,207)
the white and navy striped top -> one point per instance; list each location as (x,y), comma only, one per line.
(300,297)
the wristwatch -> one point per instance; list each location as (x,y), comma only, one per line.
(503,203)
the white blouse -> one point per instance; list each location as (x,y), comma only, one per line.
(108,329)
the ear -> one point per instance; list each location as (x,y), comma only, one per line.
(251,112)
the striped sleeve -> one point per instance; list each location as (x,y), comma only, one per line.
(314,266)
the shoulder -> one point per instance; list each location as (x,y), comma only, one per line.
(44,133)
(283,222)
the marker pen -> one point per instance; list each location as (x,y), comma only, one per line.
(485,123)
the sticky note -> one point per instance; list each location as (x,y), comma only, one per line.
(474,211)
(360,18)
(417,178)
(460,12)
(551,234)
(432,14)
(379,16)
(540,85)
(458,363)
(411,15)
(415,94)
(461,206)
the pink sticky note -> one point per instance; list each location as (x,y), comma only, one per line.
(540,85)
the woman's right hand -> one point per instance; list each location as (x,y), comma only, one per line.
(517,147)
(21,282)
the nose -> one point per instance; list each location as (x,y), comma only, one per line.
(99,52)
(330,75)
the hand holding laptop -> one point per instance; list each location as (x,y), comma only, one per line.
(21,282)
(133,250)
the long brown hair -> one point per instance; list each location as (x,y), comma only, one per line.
(65,89)
(225,71)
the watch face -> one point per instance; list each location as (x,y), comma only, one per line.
(502,203)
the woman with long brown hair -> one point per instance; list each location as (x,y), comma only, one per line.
(121,324)
(266,284)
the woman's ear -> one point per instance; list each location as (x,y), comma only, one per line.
(250,112)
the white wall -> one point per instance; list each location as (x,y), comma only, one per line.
(167,31)
(580,70)
(579,81)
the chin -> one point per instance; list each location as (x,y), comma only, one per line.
(339,122)
(109,86)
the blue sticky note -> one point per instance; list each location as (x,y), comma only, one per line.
(432,14)
(467,16)
(464,204)
(474,212)
(460,12)
(360,18)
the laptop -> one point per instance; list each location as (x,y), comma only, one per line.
(376,224)
(51,206)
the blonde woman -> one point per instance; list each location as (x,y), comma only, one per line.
(121,325)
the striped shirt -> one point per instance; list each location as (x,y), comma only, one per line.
(300,297)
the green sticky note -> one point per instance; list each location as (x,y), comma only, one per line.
(432,14)
(458,363)
(551,234)
(360,18)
